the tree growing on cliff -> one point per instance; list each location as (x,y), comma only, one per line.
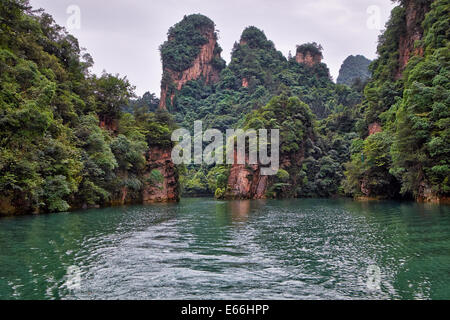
(313,48)
(185,40)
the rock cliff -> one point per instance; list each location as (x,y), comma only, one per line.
(415,12)
(309,54)
(308,58)
(206,64)
(161,180)
(167,188)
(246,182)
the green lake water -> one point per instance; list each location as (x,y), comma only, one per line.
(206,249)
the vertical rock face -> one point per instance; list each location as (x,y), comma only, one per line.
(427,195)
(167,189)
(374,128)
(415,12)
(246,182)
(15,204)
(205,65)
(308,58)
(309,54)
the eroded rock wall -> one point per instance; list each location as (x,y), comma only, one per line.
(166,190)
(415,12)
(308,58)
(202,67)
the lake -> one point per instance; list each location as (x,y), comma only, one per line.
(207,249)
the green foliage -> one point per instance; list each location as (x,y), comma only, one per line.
(283,175)
(312,48)
(255,39)
(369,170)
(229,103)
(54,156)
(421,152)
(295,121)
(353,69)
(217,177)
(185,40)
(411,156)
(220,193)
(142,105)
(195,182)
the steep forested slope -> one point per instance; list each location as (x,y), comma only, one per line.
(257,73)
(63,140)
(404,149)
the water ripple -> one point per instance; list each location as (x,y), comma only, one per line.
(293,249)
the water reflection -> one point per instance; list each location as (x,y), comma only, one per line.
(241,210)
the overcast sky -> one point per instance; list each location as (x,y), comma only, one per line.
(123,36)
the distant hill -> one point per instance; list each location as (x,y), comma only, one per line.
(353,68)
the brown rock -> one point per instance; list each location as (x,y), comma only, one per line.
(108,123)
(245,83)
(374,128)
(246,181)
(309,59)
(427,195)
(201,67)
(415,14)
(160,158)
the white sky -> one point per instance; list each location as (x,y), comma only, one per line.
(123,36)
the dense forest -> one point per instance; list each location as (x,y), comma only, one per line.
(257,73)
(72,139)
(380,136)
(64,140)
